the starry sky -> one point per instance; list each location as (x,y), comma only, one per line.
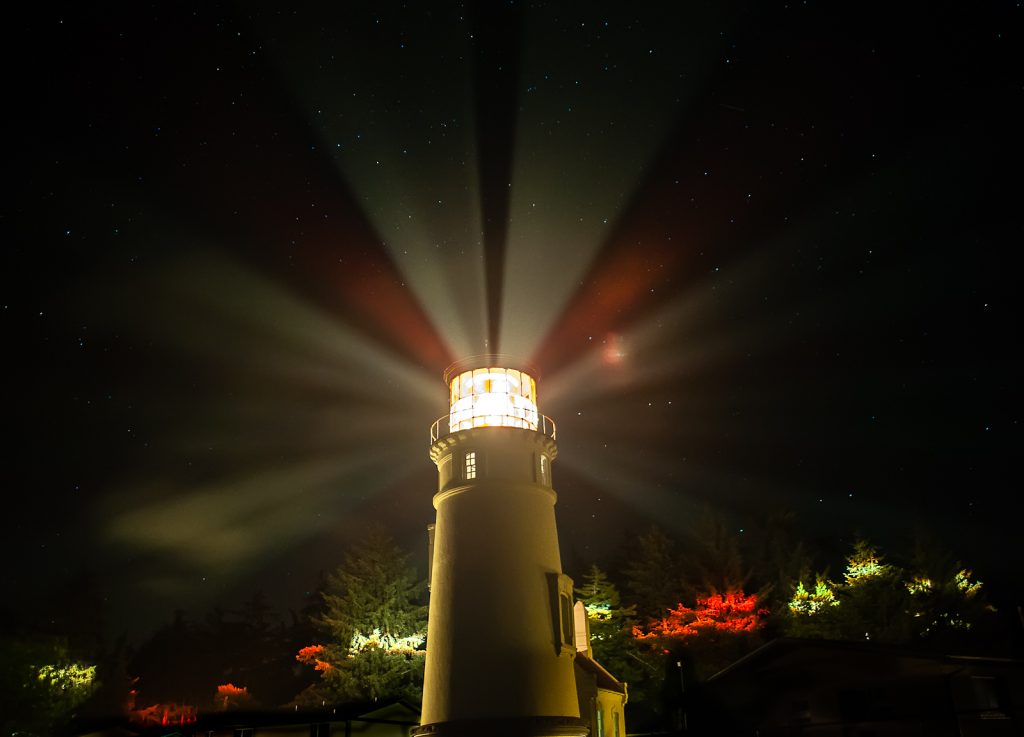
(761,253)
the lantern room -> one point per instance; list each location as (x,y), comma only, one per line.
(492,397)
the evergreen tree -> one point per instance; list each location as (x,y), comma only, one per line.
(715,565)
(780,558)
(652,575)
(611,628)
(872,599)
(811,610)
(41,684)
(374,624)
(947,604)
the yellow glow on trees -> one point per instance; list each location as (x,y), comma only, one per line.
(389,643)
(73,677)
(919,585)
(374,627)
(864,564)
(809,603)
(964,583)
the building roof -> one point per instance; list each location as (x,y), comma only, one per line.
(603,678)
(789,648)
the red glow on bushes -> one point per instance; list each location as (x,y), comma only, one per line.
(730,612)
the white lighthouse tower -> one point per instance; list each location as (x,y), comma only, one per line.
(500,632)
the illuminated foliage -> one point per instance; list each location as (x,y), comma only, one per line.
(387,642)
(919,585)
(73,677)
(967,587)
(946,603)
(611,626)
(163,715)
(375,626)
(811,603)
(935,599)
(733,612)
(230,696)
(41,684)
(864,564)
(313,655)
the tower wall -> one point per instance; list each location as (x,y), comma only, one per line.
(496,649)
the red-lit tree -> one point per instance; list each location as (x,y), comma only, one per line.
(710,635)
(229,696)
(732,613)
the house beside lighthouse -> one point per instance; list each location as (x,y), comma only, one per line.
(502,628)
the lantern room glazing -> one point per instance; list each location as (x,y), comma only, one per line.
(493,397)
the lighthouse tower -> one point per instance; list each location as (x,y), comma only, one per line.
(500,632)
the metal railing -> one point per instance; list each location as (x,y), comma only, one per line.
(441,427)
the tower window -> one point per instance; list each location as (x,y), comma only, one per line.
(543,469)
(471,465)
(565,629)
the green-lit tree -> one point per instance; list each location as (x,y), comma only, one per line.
(872,598)
(42,684)
(947,604)
(934,601)
(374,627)
(811,610)
(611,628)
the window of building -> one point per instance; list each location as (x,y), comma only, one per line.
(615,723)
(568,632)
(562,614)
(544,469)
(471,465)
(600,721)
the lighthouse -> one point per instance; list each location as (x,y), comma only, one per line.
(500,637)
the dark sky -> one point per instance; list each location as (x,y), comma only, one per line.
(761,252)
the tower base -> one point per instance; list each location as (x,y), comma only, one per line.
(509,727)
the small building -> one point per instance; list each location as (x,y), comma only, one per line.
(602,697)
(855,689)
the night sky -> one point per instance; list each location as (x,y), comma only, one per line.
(762,253)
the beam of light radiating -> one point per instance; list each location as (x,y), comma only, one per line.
(582,150)
(239,316)
(400,130)
(757,305)
(250,177)
(231,526)
(273,422)
(728,178)
(497,29)
(681,337)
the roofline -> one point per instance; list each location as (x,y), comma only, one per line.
(781,642)
(602,670)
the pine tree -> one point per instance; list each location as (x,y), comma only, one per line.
(947,604)
(611,638)
(811,610)
(872,598)
(652,575)
(611,627)
(715,565)
(375,626)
